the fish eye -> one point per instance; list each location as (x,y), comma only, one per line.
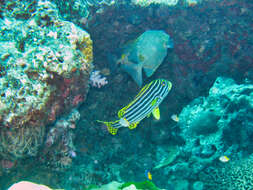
(163,83)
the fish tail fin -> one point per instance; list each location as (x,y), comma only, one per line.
(135,71)
(110,128)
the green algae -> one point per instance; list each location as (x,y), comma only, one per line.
(147,185)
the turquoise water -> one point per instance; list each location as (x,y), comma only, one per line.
(48,52)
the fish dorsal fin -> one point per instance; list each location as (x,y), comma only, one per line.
(156,113)
(144,88)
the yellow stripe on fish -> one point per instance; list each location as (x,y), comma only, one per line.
(145,103)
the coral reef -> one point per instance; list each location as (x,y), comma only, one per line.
(59,142)
(219,124)
(45,65)
(162,2)
(234,175)
(18,9)
(80,11)
(211,38)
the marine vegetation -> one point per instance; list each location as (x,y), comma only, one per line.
(147,185)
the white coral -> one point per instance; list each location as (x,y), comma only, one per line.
(96,80)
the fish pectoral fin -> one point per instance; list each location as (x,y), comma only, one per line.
(133,125)
(156,113)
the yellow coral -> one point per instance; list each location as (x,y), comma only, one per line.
(85,46)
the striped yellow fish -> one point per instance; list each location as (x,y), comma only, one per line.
(145,103)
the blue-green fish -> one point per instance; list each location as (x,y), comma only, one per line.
(145,103)
(145,53)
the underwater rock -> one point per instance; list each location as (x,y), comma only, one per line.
(210,125)
(146,52)
(45,65)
